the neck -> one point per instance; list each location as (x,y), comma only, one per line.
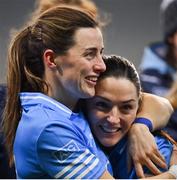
(59,93)
(57,90)
(62,96)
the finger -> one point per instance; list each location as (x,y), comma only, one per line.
(129,162)
(158,154)
(139,170)
(159,161)
(151,166)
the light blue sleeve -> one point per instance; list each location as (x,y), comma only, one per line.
(63,154)
(165,147)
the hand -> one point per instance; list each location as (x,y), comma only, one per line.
(143,150)
(155,108)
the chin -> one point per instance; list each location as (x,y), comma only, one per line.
(90,93)
(109,143)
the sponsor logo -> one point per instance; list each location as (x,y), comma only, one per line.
(66,151)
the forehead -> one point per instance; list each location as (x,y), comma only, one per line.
(116,88)
(88,37)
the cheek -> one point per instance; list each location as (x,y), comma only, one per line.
(94,118)
(84,70)
(128,120)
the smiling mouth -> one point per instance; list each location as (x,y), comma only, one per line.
(92,80)
(110,130)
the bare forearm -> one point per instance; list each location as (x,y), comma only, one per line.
(157,109)
(170,174)
(165,175)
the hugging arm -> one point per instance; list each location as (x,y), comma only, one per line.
(142,146)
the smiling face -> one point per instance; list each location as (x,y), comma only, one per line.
(112,110)
(82,64)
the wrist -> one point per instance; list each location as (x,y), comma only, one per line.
(173,170)
(144,121)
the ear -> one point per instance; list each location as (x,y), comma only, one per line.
(49,58)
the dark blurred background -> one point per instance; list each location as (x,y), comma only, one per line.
(134,23)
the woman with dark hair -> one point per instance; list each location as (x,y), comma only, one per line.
(111,113)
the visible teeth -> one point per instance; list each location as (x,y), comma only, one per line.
(92,78)
(110,130)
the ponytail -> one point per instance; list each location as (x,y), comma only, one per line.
(25,72)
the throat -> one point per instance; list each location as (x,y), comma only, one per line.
(106,150)
(65,99)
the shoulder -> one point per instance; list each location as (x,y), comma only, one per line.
(162,141)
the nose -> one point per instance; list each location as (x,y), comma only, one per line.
(100,65)
(114,116)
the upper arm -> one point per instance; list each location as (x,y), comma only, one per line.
(63,154)
(155,108)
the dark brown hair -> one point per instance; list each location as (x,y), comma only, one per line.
(118,66)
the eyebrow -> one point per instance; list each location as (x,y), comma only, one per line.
(129,101)
(93,49)
(101,97)
(124,102)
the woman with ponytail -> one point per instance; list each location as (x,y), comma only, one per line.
(52,63)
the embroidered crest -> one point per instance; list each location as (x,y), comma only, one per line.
(66,151)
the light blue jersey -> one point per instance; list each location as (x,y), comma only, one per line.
(53,142)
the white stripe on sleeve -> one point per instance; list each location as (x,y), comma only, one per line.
(67,168)
(83,165)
